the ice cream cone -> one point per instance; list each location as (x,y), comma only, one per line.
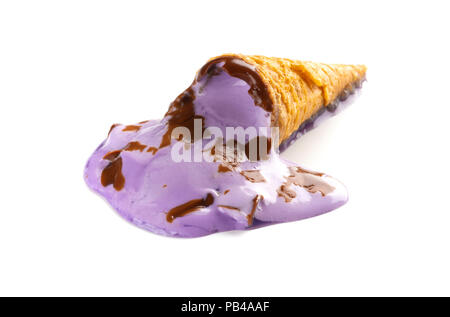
(298,90)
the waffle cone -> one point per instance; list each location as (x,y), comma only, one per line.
(299,89)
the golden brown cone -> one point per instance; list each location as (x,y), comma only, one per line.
(299,89)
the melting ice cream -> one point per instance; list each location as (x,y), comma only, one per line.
(228,188)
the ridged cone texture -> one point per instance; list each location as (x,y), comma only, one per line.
(299,89)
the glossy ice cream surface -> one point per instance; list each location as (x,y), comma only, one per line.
(135,171)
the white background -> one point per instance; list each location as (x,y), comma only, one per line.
(69,69)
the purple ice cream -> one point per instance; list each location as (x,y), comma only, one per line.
(135,170)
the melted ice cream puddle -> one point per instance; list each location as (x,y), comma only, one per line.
(133,169)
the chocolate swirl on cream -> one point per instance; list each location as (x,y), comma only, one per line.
(190,206)
(238,68)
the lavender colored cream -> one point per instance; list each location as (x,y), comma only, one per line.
(135,171)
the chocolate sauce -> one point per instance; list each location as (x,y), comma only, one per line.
(238,68)
(229,207)
(252,212)
(181,113)
(135,146)
(226,192)
(190,206)
(111,156)
(309,180)
(253,176)
(112,173)
(112,127)
(286,192)
(224,168)
(132,128)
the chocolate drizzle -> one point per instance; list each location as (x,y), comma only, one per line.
(309,180)
(181,113)
(229,207)
(250,216)
(238,68)
(111,156)
(112,128)
(253,176)
(135,146)
(134,128)
(224,168)
(112,173)
(190,206)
